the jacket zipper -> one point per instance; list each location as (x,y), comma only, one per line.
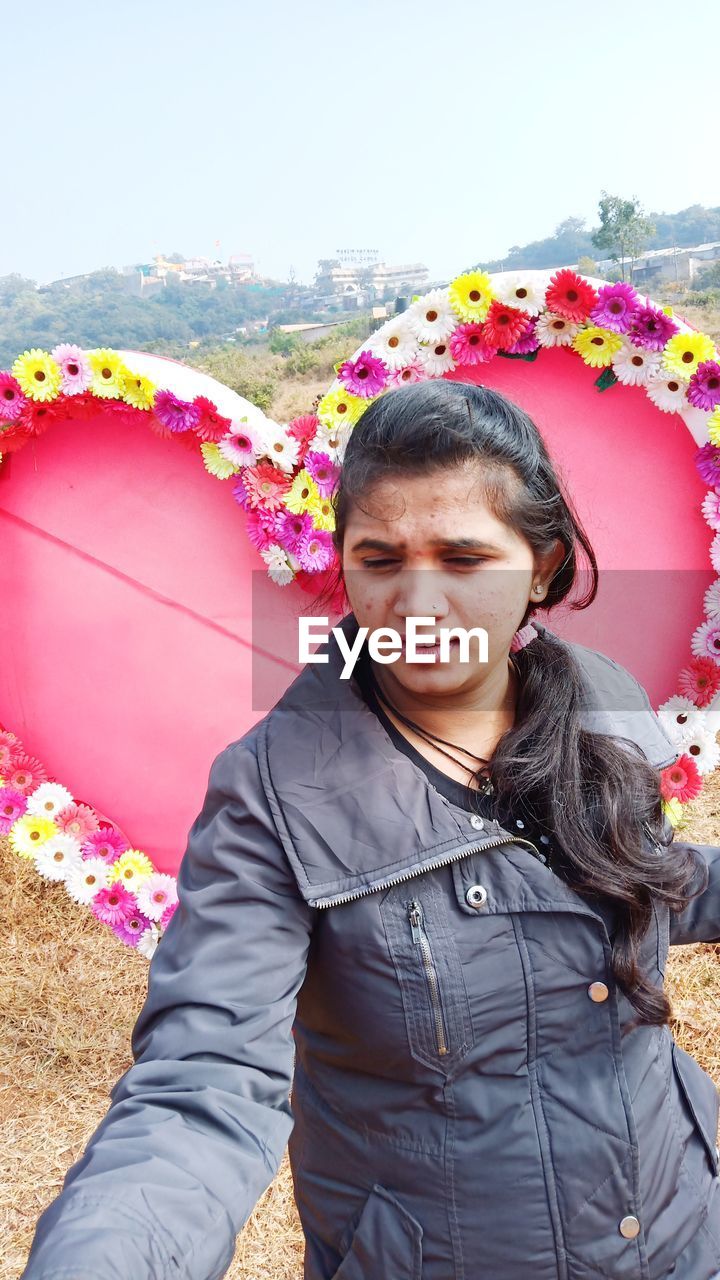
(427,866)
(417,924)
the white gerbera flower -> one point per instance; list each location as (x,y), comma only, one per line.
(633,366)
(705,639)
(431,318)
(282,450)
(702,747)
(54,859)
(711,599)
(516,289)
(331,440)
(241,444)
(279,570)
(48,799)
(555,331)
(147,944)
(667,392)
(395,343)
(85,879)
(680,718)
(156,894)
(437,358)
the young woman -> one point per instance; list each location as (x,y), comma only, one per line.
(452,882)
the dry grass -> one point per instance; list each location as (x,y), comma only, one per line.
(70,994)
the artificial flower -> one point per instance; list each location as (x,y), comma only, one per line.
(37,416)
(10,748)
(365,376)
(704,387)
(75,368)
(569,295)
(241,445)
(323,514)
(323,471)
(113,904)
(261,526)
(634,367)
(26,773)
(468,346)
(85,879)
(302,493)
(49,799)
(521,291)
(317,552)
(293,528)
(713,427)
(527,342)
(131,868)
(57,856)
(413,372)
(685,351)
(13,437)
(175,414)
(281,448)
(339,408)
(615,307)
(711,599)
(715,553)
(597,346)
(12,399)
(148,941)
(666,391)
(38,374)
(106,843)
(554,330)
(703,749)
(705,640)
(504,325)
(131,928)
(700,681)
(265,485)
(680,718)
(29,832)
(470,296)
(707,461)
(13,805)
(279,568)
(432,318)
(437,358)
(211,424)
(711,511)
(138,391)
(78,820)
(651,328)
(155,893)
(395,343)
(681,780)
(674,811)
(168,914)
(304,428)
(108,373)
(218,465)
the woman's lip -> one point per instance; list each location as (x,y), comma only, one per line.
(428,648)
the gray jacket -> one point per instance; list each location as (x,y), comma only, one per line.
(465,1105)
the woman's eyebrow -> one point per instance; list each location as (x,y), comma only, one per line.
(465,544)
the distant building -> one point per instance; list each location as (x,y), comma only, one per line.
(367,281)
(659,265)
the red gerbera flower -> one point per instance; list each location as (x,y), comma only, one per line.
(504,326)
(304,428)
(570,296)
(700,681)
(681,780)
(211,424)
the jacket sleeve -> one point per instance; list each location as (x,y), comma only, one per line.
(700,920)
(198,1125)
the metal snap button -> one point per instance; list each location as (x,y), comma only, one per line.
(598,991)
(629,1227)
(476,896)
(477,822)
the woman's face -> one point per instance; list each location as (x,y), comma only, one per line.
(429,546)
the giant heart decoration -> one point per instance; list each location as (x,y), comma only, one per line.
(142,631)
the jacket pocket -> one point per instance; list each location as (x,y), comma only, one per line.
(701,1097)
(387,1241)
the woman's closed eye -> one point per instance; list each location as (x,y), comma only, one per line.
(465,562)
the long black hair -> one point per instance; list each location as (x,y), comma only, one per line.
(593,793)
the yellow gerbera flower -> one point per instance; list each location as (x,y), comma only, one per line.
(322,514)
(131,868)
(302,494)
(215,463)
(673,809)
(597,346)
(685,351)
(38,374)
(109,374)
(339,408)
(138,391)
(713,426)
(29,833)
(470,296)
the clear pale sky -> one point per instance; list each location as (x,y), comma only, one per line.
(435,131)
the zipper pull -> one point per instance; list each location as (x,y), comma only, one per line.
(415,917)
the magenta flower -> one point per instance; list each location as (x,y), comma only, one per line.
(113,904)
(12,400)
(704,386)
(168,914)
(707,461)
(106,843)
(317,551)
(616,307)
(131,928)
(468,346)
(240,493)
(651,328)
(526,343)
(366,376)
(12,806)
(324,472)
(262,527)
(294,530)
(177,415)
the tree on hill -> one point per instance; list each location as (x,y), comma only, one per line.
(624,229)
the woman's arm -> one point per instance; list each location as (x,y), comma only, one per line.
(700,921)
(198,1125)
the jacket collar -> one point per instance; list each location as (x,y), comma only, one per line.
(354,813)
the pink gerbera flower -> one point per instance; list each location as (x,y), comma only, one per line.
(317,552)
(413,372)
(615,307)
(704,386)
(13,805)
(710,509)
(468,346)
(294,530)
(365,376)
(75,368)
(651,328)
(681,780)
(707,461)
(113,904)
(175,414)
(106,843)
(304,428)
(261,527)
(12,400)
(77,820)
(700,681)
(324,472)
(168,914)
(156,894)
(131,927)
(10,749)
(26,774)
(211,425)
(265,485)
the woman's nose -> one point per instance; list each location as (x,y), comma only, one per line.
(419,595)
